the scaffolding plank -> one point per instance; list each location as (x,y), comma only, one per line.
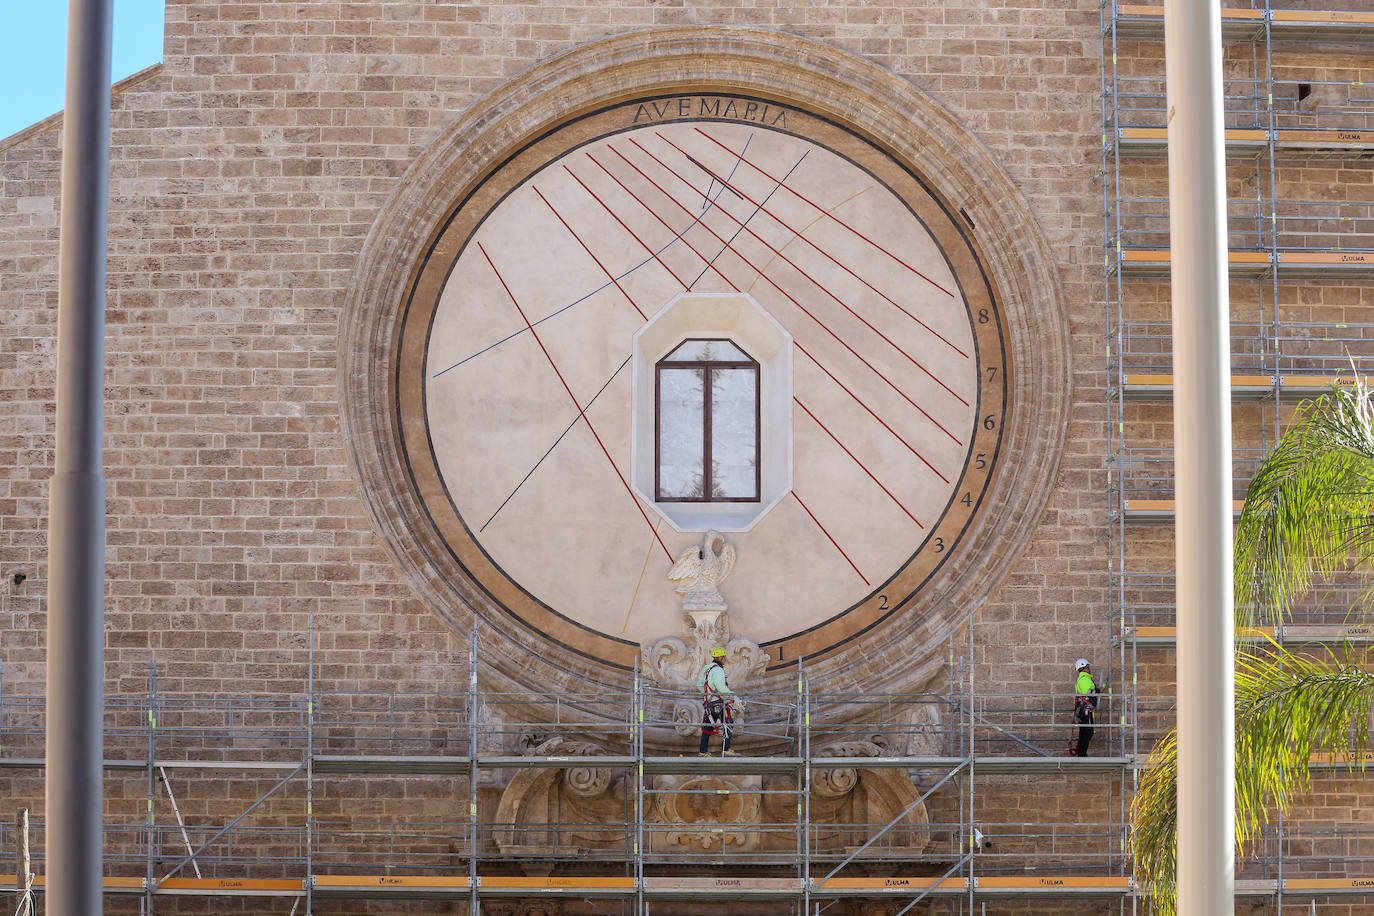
(1014,766)
(38,763)
(227,765)
(111,884)
(1328,761)
(1139,19)
(1142,11)
(231,887)
(736,766)
(1158,259)
(1037,885)
(876,763)
(1157,138)
(1158,510)
(1355,632)
(724,886)
(1299,263)
(1331,138)
(1317,886)
(1169,635)
(1285,24)
(367,763)
(389,881)
(556,884)
(391,886)
(1323,17)
(894,886)
(555,762)
(1255,887)
(1150,387)
(1313,385)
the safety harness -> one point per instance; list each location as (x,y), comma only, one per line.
(707,701)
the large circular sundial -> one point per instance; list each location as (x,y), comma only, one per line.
(693,308)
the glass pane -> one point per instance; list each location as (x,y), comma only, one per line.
(734,433)
(681,433)
(703,351)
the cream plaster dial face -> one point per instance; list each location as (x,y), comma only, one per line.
(530,431)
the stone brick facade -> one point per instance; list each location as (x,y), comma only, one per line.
(247,171)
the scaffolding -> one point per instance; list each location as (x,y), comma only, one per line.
(1279,116)
(801,750)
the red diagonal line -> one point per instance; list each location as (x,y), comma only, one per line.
(728,282)
(790,298)
(832,540)
(652,253)
(832,216)
(800,237)
(880,420)
(812,279)
(573,397)
(861,465)
(639,200)
(609,275)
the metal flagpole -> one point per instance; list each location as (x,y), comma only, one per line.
(76,525)
(1202,458)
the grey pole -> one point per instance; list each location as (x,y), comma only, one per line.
(76,526)
(1202,458)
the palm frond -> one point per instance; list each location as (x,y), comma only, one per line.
(1307,511)
(1154,826)
(1289,708)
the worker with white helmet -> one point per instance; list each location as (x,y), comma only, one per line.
(1084,705)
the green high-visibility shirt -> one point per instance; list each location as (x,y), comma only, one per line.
(1085,684)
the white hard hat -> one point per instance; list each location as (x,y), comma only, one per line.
(1080,664)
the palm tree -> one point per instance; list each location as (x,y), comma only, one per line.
(1308,516)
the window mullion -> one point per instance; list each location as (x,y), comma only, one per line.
(708,489)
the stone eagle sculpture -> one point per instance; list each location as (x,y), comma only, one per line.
(699,570)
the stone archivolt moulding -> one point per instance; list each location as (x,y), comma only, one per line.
(833,84)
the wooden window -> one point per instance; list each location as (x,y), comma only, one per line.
(706,424)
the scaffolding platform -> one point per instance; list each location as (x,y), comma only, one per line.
(1154,511)
(403,887)
(395,765)
(1160,387)
(1326,635)
(1154,141)
(1147,21)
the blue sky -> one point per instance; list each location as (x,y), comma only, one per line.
(33,53)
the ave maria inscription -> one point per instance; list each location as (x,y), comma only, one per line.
(723,108)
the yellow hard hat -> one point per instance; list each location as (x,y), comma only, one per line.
(718,652)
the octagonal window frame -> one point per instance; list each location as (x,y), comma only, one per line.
(741,320)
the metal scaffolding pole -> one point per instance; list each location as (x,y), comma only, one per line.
(76,521)
(1202,459)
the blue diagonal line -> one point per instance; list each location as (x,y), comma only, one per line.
(673,241)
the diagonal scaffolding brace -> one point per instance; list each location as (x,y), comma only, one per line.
(176,810)
(896,820)
(229,826)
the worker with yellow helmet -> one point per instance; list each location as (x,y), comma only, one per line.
(718,702)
